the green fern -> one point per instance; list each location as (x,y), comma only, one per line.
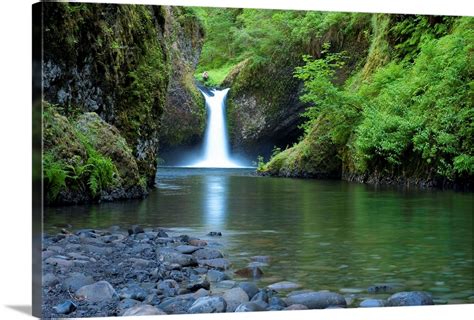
(55,174)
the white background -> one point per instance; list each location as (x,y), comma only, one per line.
(15,157)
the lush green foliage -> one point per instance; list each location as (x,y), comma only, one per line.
(233,35)
(410,112)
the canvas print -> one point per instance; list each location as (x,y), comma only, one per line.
(202,160)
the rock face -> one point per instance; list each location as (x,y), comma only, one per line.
(262,106)
(317,300)
(412,298)
(98,292)
(124,64)
(184,114)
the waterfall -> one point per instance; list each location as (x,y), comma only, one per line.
(216,144)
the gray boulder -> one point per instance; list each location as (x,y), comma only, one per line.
(142,310)
(207,253)
(174,257)
(235,297)
(410,298)
(250,288)
(100,291)
(208,305)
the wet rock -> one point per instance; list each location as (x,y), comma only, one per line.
(99,251)
(139,263)
(186,249)
(184,238)
(135,229)
(296,307)
(250,272)
(197,242)
(215,234)
(372,303)
(351,290)
(235,297)
(66,307)
(219,263)
(256,264)
(134,292)
(208,305)
(249,307)
(215,276)
(100,291)
(143,310)
(204,284)
(172,256)
(207,253)
(317,300)
(284,285)
(411,298)
(250,288)
(77,280)
(50,280)
(168,288)
(57,249)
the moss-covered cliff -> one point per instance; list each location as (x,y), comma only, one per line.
(121,65)
(184,115)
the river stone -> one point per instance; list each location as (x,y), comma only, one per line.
(411,298)
(219,263)
(226,284)
(135,229)
(126,304)
(250,272)
(215,234)
(204,284)
(66,307)
(277,301)
(207,253)
(77,280)
(296,307)
(249,307)
(134,292)
(197,242)
(56,249)
(172,256)
(235,297)
(186,249)
(317,300)
(142,310)
(59,262)
(372,303)
(284,285)
(263,295)
(50,280)
(351,290)
(100,291)
(208,305)
(250,288)
(215,276)
(176,305)
(162,234)
(169,288)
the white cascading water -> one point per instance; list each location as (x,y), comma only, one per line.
(216,144)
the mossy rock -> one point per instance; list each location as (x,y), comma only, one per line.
(316,156)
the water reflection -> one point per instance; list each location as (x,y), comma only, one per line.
(215,200)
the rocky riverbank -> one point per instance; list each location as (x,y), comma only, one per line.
(151,271)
